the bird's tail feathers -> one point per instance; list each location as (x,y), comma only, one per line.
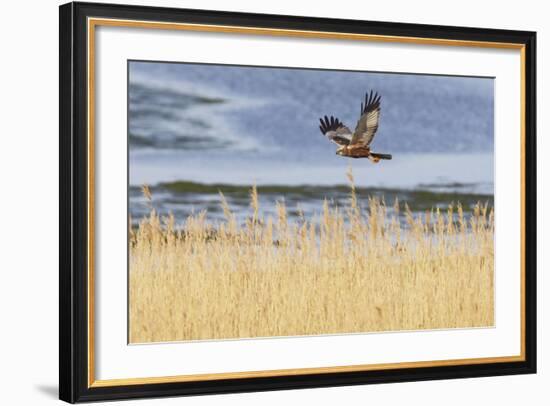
(380,156)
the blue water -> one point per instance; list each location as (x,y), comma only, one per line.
(244,125)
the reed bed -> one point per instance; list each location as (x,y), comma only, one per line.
(348,270)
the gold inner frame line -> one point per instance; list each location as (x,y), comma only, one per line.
(94,22)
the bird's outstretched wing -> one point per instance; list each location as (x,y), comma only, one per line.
(335,130)
(368,122)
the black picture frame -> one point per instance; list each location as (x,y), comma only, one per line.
(74,385)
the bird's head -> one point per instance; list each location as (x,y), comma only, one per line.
(340,151)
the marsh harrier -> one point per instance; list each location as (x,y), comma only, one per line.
(356,144)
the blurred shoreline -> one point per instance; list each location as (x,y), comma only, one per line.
(470,172)
(185,198)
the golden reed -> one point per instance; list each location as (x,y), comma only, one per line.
(353,270)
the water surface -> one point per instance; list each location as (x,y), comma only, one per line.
(195,129)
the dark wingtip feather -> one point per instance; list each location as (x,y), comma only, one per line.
(323,126)
(329,124)
(372,102)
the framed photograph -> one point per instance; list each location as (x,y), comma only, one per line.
(258,202)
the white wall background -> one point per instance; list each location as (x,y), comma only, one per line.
(28,202)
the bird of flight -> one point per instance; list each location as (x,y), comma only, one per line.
(356,144)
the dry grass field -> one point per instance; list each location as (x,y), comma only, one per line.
(351,270)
